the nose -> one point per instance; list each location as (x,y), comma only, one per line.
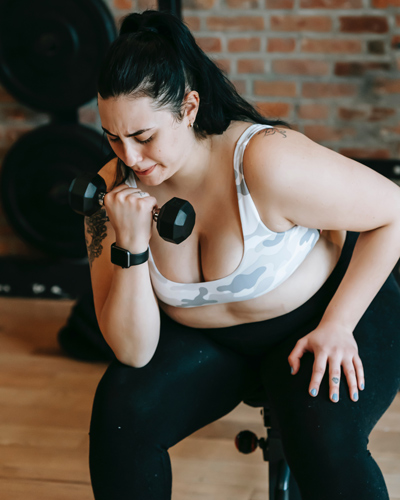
(130,154)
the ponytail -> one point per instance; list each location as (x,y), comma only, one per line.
(156,56)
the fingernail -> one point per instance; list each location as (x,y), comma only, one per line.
(335,397)
(291,369)
(314,392)
(362,387)
(355,396)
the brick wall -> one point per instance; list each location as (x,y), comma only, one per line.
(329,67)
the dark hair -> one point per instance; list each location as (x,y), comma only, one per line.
(156,56)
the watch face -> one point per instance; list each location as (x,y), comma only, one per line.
(119,256)
(123,258)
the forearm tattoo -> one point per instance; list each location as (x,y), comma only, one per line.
(97,228)
(273,131)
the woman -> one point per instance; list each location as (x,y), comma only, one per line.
(254,290)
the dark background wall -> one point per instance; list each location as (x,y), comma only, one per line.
(329,67)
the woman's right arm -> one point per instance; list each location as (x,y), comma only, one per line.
(125,303)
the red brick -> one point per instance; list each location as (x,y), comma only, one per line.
(395,43)
(364,24)
(198,4)
(192,22)
(382,4)
(367,113)
(320,90)
(224,64)
(274,109)
(240,86)
(348,114)
(209,44)
(284,89)
(398,20)
(244,45)
(242,4)
(329,46)
(123,4)
(279,4)
(331,4)
(324,133)
(250,66)
(364,153)
(17,113)
(301,23)
(300,67)
(392,130)
(383,86)
(281,45)
(241,23)
(147,4)
(359,68)
(313,111)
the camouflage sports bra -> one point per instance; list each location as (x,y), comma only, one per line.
(269,258)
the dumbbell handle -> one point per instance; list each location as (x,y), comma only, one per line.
(156,210)
(175,220)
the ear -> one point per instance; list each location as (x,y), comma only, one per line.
(191,104)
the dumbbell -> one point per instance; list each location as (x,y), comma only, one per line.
(175,220)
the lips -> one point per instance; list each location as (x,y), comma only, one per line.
(147,171)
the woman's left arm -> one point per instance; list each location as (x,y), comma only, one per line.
(312,186)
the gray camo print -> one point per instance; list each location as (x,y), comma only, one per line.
(269,257)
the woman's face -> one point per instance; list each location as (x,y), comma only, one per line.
(151,143)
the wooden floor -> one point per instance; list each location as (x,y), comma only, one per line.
(45,404)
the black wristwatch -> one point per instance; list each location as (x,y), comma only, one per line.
(124,258)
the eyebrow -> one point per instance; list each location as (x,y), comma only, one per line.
(129,135)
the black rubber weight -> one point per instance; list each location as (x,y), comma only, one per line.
(51,50)
(35,177)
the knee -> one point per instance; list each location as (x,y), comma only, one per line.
(120,399)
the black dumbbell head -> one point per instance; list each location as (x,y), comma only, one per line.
(176,220)
(84,193)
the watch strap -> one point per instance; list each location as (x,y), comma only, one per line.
(124,258)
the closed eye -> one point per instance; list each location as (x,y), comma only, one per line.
(146,141)
(116,139)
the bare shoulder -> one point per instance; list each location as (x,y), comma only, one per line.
(266,160)
(298,180)
(270,146)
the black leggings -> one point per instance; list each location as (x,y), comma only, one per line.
(197,376)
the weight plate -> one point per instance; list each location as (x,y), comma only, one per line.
(51,50)
(35,177)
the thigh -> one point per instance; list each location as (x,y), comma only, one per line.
(190,382)
(318,422)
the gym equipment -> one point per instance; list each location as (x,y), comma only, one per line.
(51,50)
(35,177)
(175,220)
(282,485)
